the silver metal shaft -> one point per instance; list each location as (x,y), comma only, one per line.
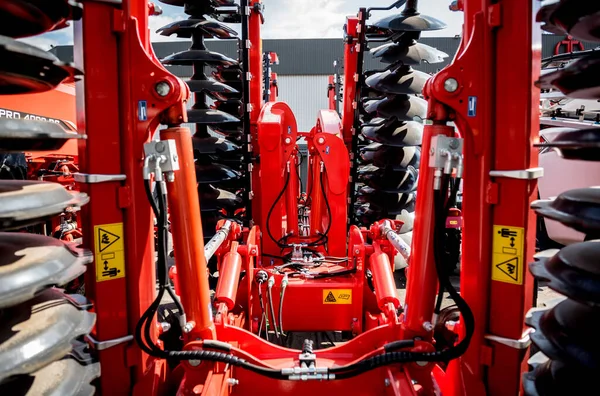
(217,240)
(402,247)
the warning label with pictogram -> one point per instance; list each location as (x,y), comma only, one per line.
(109,252)
(507,254)
(337,296)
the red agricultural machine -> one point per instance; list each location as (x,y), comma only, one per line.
(279,290)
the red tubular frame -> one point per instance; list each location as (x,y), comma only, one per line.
(350,78)
(188,240)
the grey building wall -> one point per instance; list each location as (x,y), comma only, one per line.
(309,56)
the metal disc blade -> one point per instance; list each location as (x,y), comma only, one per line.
(212,198)
(30,263)
(213,88)
(578,209)
(224,74)
(209,116)
(580,79)
(582,144)
(233,107)
(232,131)
(388,203)
(408,53)
(410,23)
(27,69)
(554,377)
(572,272)
(213,145)
(24,202)
(19,135)
(189,57)
(65,377)
(403,107)
(214,173)
(186,28)
(394,157)
(216,3)
(386,180)
(41,331)
(398,80)
(567,332)
(579,19)
(19,18)
(394,133)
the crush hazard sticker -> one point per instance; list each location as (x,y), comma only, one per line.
(337,296)
(110,253)
(507,254)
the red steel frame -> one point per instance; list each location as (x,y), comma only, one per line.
(121,71)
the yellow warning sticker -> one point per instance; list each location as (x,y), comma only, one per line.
(507,254)
(110,254)
(337,296)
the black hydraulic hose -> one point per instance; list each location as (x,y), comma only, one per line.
(272,310)
(278,243)
(324,235)
(440,221)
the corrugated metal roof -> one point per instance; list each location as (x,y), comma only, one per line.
(309,56)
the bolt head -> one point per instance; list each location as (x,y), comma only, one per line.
(427,326)
(451,85)
(356,251)
(194,363)
(288,140)
(162,88)
(386,382)
(453,144)
(321,140)
(160,147)
(253,252)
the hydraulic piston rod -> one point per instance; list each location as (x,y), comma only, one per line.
(402,247)
(217,240)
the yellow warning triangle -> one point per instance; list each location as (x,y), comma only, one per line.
(106,238)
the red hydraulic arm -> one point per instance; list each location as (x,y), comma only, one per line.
(119,105)
(498,121)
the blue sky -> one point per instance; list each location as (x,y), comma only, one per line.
(290,19)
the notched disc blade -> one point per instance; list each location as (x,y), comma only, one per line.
(401,79)
(18,135)
(410,23)
(214,173)
(411,53)
(65,377)
(25,202)
(578,209)
(186,28)
(582,144)
(22,18)
(209,116)
(387,180)
(388,203)
(573,272)
(393,157)
(393,132)
(40,331)
(189,57)
(580,79)
(212,198)
(567,332)
(403,107)
(580,19)
(216,89)
(30,263)
(27,69)
(213,145)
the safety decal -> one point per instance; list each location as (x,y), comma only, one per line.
(109,251)
(507,254)
(337,296)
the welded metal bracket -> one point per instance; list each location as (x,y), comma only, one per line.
(523,174)
(102,345)
(522,343)
(96,178)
